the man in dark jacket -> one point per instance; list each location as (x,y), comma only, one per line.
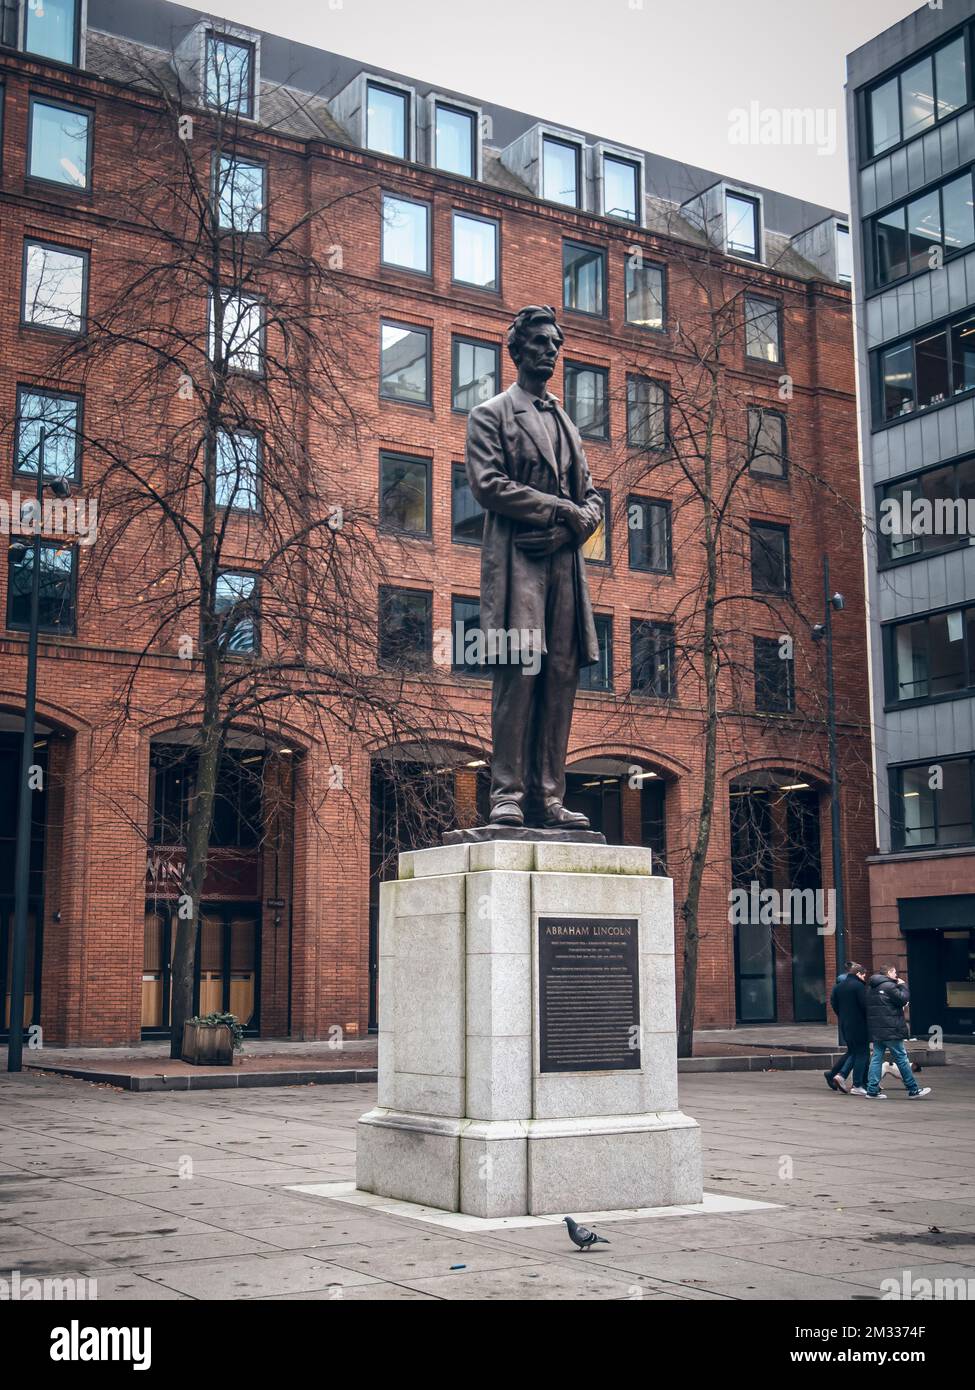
(887,998)
(848,1002)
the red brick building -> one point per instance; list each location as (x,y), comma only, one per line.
(448,215)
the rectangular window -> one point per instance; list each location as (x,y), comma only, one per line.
(467,642)
(241,335)
(466,514)
(648,534)
(48,433)
(930,656)
(406,233)
(51,30)
(475,373)
(475,251)
(10,23)
(596,549)
(560,172)
(897,381)
(58,579)
(645,292)
(844,255)
(742,225)
(770,558)
(59,143)
(925,815)
(405,627)
(241,195)
(921,234)
(925,371)
(235,604)
(766,443)
(238,470)
(55,287)
(405,364)
(586,397)
(456,141)
(646,413)
(924,514)
(621,188)
(229,75)
(600,676)
(762,332)
(387,121)
(774,677)
(583,278)
(404,494)
(652,652)
(929,90)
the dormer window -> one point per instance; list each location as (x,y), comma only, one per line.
(561,172)
(455,140)
(742,226)
(621,188)
(229,85)
(387,120)
(844,254)
(52,30)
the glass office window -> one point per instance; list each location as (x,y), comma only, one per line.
(560,172)
(238,470)
(405,364)
(48,429)
(762,334)
(234,605)
(404,494)
(648,534)
(475,251)
(774,677)
(241,196)
(467,641)
(586,394)
(51,29)
(456,134)
(230,75)
(844,255)
(644,293)
(242,336)
(55,287)
(885,122)
(917,98)
(406,233)
(474,372)
(742,225)
(466,515)
(621,186)
(405,627)
(596,549)
(387,121)
(770,558)
(766,443)
(652,657)
(60,138)
(600,676)
(583,278)
(56,609)
(646,413)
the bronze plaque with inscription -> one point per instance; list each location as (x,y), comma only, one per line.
(588,994)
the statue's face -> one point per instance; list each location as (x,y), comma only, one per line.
(540,350)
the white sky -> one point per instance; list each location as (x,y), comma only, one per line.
(661,75)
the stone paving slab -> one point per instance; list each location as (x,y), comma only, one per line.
(848,1189)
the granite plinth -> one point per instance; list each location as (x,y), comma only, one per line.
(482,834)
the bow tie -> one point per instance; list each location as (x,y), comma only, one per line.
(550,404)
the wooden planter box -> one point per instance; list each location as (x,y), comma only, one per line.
(205,1046)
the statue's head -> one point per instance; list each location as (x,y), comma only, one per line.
(534,340)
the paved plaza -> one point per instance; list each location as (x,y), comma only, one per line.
(190,1196)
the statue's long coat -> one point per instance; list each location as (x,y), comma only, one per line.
(513,473)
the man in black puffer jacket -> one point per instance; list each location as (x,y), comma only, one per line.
(848,1002)
(887,998)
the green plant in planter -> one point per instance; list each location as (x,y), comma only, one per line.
(230,1020)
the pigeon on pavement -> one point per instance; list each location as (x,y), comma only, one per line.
(582,1236)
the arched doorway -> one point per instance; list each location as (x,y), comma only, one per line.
(11,738)
(624,799)
(780,913)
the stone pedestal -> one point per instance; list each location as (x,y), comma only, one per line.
(475,1112)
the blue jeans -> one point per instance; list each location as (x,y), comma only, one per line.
(855,1061)
(899,1053)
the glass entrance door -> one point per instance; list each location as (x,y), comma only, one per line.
(227,963)
(32,963)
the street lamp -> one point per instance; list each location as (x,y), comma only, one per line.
(60,487)
(824,632)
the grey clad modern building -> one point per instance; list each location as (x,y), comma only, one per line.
(912,149)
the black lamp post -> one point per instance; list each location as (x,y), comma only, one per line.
(824,631)
(18,551)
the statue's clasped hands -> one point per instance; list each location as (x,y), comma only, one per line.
(569,526)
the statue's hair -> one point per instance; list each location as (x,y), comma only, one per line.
(523,321)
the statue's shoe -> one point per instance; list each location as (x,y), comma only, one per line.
(507,813)
(557,817)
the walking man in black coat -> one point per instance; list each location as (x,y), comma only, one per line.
(849,1002)
(887,998)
